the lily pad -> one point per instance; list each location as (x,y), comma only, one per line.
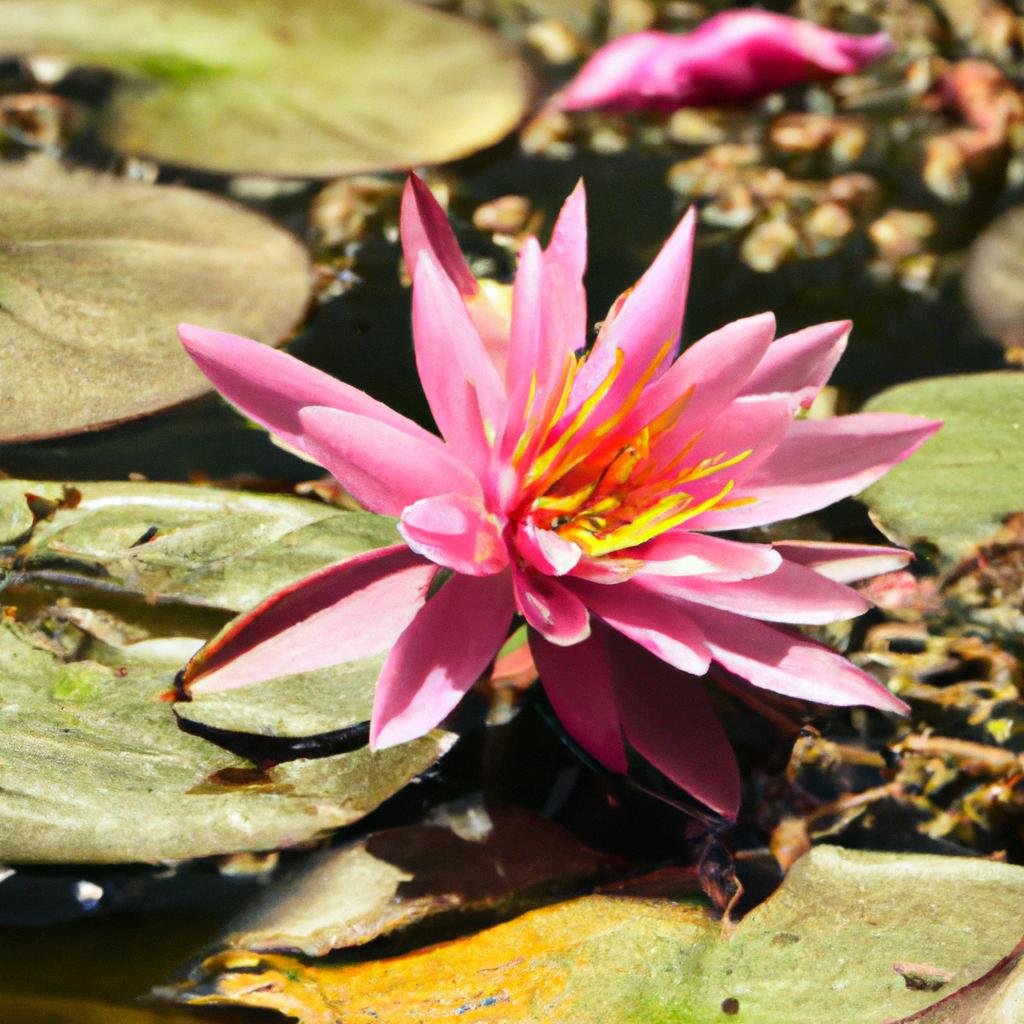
(963,483)
(992,286)
(317,89)
(294,707)
(96,271)
(997,996)
(201,546)
(826,947)
(393,879)
(93,767)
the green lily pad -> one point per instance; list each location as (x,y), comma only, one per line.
(963,483)
(199,545)
(293,707)
(95,272)
(317,89)
(834,943)
(93,767)
(93,764)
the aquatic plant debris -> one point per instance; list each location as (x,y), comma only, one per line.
(573,491)
(733,57)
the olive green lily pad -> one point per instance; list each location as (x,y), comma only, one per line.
(179,543)
(318,89)
(95,272)
(93,764)
(293,707)
(93,767)
(963,483)
(834,944)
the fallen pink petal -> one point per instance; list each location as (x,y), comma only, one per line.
(733,57)
(578,489)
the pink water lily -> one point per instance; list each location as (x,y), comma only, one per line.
(581,492)
(732,57)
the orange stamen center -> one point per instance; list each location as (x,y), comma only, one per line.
(606,486)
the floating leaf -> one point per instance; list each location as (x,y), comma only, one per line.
(174,542)
(992,285)
(322,88)
(94,274)
(825,947)
(958,489)
(996,997)
(93,767)
(393,879)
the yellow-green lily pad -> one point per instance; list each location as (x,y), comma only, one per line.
(960,487)
(318,88)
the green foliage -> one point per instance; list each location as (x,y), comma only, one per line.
(963,483)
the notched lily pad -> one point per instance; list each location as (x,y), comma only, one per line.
(96,271)
(823,948)
(318,89)
(174,542)
(93,767)
(956,492)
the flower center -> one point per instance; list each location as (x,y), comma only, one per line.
(618,473)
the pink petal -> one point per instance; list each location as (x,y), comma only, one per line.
(792,593)
(754,425)
(659,623)
(578,682)
(714,368)
(821,461)
(425,228)
(565,263)
(455,532)
(545,550)
(682,553)
(650,318)
(667,718)
(535,357)
(461,384)
(271,387)
(444,650)
(785,663)
(733,57)
(844,563)
(382,468)
(551,608)
(344,612)
(621,75)
(800,364)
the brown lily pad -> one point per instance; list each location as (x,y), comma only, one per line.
(393,879)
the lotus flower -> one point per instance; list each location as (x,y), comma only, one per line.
(730,58)
(580,492)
